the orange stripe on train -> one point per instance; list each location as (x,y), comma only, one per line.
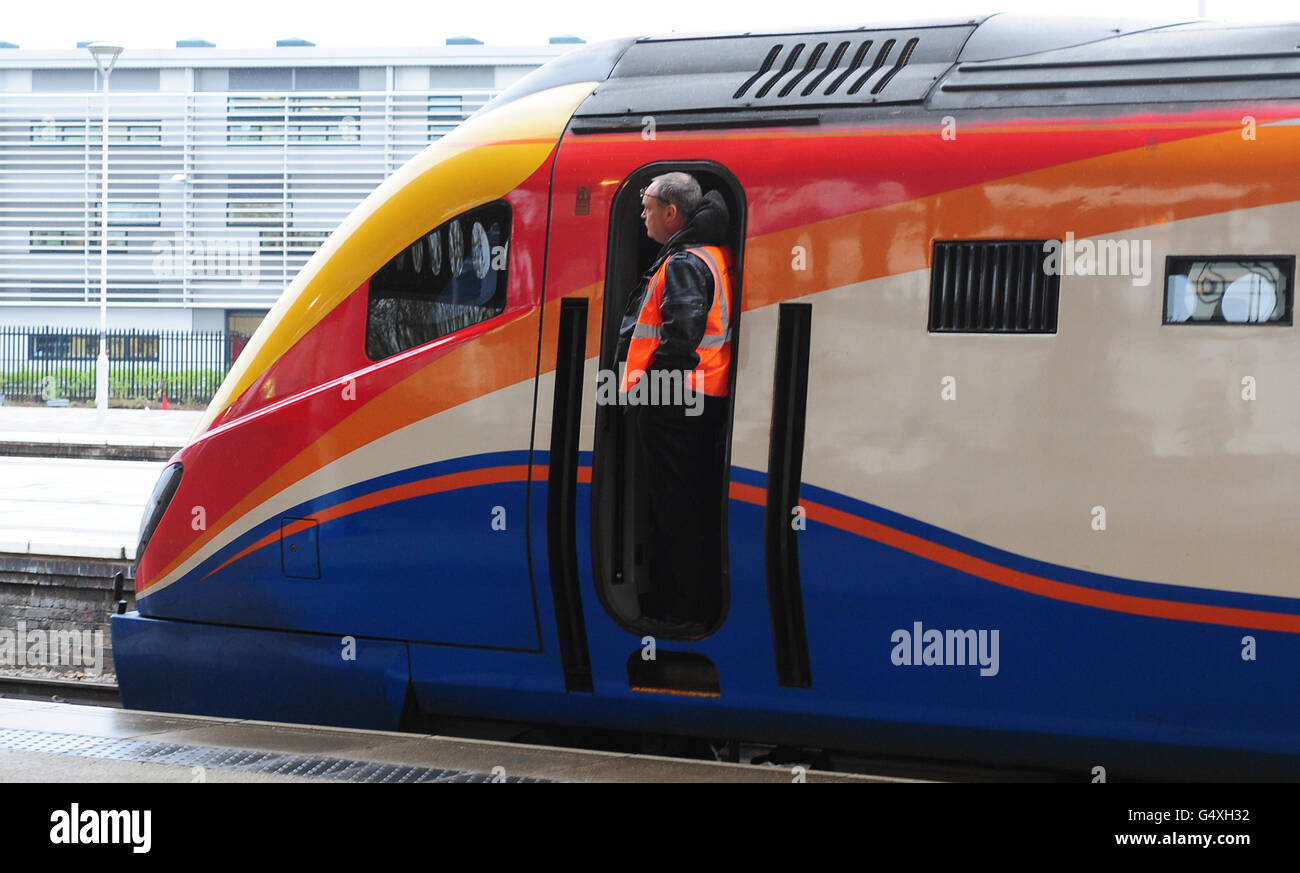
(1029,583)
(850,523)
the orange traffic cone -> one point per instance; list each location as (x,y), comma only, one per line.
(164,403)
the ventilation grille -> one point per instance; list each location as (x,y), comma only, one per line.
(992,287)
(763,76)
(869,62)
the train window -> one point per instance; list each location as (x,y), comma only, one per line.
(1229,290)
(448,279)
(993,286)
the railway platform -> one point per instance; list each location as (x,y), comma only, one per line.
(73,483)
(73,508)
(47,742)
(85,433)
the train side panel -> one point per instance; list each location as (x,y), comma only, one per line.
(978,513)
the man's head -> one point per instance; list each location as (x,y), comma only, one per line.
(666,204)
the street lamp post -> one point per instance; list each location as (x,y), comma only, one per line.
(105,56)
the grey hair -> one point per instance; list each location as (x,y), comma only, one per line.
(679,189)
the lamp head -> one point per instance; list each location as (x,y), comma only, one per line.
(105,55)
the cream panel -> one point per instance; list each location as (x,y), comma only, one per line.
(546,408)
(752,416)
(1116,410)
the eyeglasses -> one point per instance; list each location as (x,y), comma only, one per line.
(655,196)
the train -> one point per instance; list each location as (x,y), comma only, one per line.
(1012,415)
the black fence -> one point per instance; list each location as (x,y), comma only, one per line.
(42,364)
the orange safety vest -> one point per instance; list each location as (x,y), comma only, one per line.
(712,374)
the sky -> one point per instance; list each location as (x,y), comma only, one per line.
(402,23)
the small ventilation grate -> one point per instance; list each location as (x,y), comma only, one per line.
(790,73)
(991,286)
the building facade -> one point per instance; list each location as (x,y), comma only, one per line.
(227,168)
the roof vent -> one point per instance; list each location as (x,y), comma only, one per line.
(8,45)
(566,40)
(293,42)
(761,72)
(81,44)
(811,66)
(463,40)
(194,43)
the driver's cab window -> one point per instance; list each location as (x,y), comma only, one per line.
(661,453)
(445,280)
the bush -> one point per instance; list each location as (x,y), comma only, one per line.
(136,385)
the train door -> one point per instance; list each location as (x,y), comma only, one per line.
(604,553)
(605,562)
(660,456)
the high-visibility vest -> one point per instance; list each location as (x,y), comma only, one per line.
(712,374)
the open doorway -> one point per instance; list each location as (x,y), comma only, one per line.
(640,562)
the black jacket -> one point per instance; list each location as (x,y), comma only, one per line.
(688,288)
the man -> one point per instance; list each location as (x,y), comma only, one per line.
(677,332)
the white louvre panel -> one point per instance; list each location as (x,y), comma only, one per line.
(216,199)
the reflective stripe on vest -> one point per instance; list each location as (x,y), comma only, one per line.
(712,373)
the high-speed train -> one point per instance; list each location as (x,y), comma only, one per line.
(1013,445)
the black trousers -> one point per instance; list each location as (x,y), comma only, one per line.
(679,469)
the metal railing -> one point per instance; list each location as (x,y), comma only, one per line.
(216,199)
(56,365)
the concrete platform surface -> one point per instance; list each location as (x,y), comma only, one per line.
(69,507)
(116,427)
(57,742)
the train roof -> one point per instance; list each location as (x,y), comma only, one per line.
(984,62)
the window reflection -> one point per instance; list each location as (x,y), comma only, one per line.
(1229,291)
(424,292)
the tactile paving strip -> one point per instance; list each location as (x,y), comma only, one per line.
(245,760)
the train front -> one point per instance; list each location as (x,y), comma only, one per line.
(263,580)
